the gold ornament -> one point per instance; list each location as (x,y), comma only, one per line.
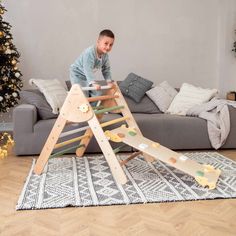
(1,11)
(15,68)
(13,62)
(1,34)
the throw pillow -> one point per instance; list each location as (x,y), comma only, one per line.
(146,105)
(135,87)
(36,98)
(68,84)
(53,91)
(162,95)
(188,97)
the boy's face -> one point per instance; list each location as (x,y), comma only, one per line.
(104,44)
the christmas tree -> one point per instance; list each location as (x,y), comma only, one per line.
(10,75)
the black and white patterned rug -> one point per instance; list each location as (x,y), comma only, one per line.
(88,182)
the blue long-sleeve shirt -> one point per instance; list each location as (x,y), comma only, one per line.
(87,63)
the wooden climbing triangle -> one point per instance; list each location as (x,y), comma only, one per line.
(77,109)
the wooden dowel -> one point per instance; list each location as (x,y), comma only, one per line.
(98,107)
(93,88)
(57,154)
(132,156)
(100,98)
(64,134)
(111,122)
(108,109)
(58,145)
(118,149)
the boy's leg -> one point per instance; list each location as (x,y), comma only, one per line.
(75,78)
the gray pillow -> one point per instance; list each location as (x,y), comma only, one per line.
(68,84)
(146,105)
(135,87)
(36,98)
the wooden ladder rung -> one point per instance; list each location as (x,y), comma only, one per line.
(118,149)
(101,98)
(108,109)
(93,88)
(132,156)
(57,154)
(58,145)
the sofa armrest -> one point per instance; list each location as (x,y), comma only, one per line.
(24,118)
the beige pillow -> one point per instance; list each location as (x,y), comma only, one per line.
(53,91)
(162,95)
(189,96)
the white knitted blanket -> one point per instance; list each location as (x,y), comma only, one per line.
(216,113)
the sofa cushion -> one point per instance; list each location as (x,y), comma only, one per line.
(188,97)
(36,98)
(135,86)
(162,95)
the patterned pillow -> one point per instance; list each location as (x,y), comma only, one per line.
(189,96)
(53,91)
(135,86)
(36,98)
(162,95)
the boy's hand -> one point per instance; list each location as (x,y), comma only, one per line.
(111,84)
(97,86)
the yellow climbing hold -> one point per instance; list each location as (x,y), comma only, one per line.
(113,137)
(84,108)
(155,145)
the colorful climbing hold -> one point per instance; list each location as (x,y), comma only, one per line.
(143,145)
(173,160)
(112,137)
(156,145)
(84,108)
(200,173)
(132,133)
(183,158)
(121,135)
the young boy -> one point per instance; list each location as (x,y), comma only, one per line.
(94,60)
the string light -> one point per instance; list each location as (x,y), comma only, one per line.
(6,143)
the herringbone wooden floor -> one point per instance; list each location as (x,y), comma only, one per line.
(215,217)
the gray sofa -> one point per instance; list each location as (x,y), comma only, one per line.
(30,131)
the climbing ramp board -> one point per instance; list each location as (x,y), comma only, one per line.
(205,175)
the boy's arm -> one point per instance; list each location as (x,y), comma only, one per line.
(88,63)
(106,70)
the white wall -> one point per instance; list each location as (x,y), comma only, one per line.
(175,40)
(226,37)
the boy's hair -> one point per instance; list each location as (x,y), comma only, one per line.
(107,33)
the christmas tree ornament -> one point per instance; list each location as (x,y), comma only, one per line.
(14,94)
(17,74)
(10,76)
(13,62)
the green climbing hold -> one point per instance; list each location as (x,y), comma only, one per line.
(200,173)
(132,133)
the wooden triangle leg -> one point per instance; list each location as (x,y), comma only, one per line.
(49,145)
(108,152)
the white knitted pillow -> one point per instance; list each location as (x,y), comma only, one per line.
(188,97)
(162,95)
(53,91)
